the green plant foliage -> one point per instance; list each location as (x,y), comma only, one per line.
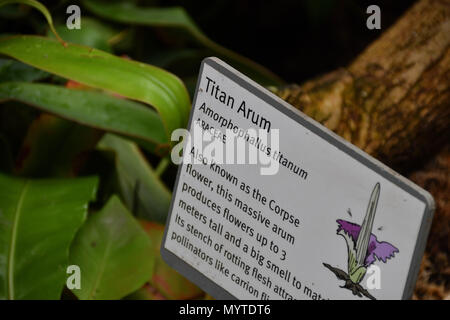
(169,282)
(177,17)
(90,108)
(93,34)
(94,125)
(38,220)
(37,5)
(95,68)
(113,253)
(11,70)
(12,12)
(55,147)
(140,187)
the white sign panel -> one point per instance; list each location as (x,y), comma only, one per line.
(314,218)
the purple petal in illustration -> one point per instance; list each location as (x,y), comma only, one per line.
(351,228)
(376,250)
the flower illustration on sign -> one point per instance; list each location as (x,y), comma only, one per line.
(363,248)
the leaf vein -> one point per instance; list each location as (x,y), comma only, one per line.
(12,249)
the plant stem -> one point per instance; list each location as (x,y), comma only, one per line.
(162,166)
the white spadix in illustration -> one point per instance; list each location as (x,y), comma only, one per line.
(363,247)
(366,228)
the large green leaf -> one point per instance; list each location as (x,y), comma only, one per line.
(131,79)
(113,253)
(38,221)
(177,17)
(140,187)
(90,108)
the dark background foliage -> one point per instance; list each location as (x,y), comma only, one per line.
(295,39)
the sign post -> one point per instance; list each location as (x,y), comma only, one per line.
(269,204)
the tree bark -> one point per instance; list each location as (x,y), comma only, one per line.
(434,276)
(393,101)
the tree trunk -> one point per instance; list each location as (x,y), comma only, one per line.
(393,101)
(434,276)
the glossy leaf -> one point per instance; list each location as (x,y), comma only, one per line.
(89,108)
(141,188)
(176,17)
(165,279)
(130,79)
(113,253)
(38,221)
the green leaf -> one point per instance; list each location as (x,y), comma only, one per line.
(93,34)
(177,17)
(90,108)
(38,220)
(37,5)
(358,274)
(355,271)
(95,68)
(11,70)
(165,279)
(140,187)
(113,253)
